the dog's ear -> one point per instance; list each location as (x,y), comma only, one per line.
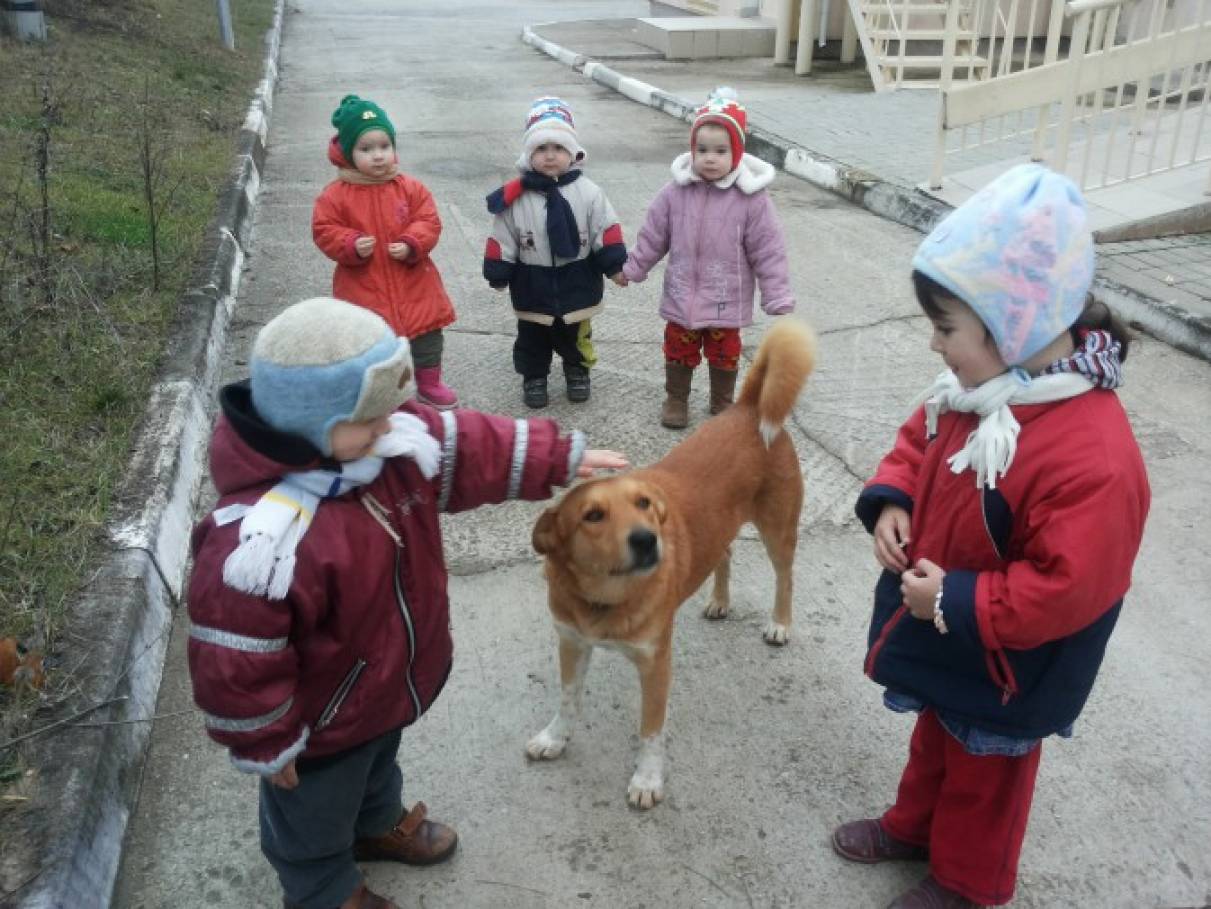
(659,508)
(546,531)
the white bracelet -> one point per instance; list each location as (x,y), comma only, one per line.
(939,621)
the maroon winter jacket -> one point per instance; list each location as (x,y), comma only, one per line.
(361,645)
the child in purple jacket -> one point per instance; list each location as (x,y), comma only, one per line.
(718,226)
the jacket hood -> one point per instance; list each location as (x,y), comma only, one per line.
(750,176)
(246,451)
(336,156)
(350,174)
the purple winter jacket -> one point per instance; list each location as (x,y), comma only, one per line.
(722,239)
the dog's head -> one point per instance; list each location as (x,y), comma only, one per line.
(604,529)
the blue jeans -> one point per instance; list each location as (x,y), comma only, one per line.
(307,833)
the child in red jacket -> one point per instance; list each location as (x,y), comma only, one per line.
(380,226)
(1006,519)
(320,623)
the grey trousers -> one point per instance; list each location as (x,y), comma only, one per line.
(307,833)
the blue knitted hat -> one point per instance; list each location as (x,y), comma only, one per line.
(1020,254)
(323,361)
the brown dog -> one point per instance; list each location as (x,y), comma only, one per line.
(623,553)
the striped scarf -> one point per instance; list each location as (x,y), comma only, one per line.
(271,530)
(1098,358)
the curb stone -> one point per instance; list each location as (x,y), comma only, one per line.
(89,781)
(903,205)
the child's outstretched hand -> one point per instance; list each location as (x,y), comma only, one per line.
(620,279)
(891,538)
(286,778)
(596,459)
(364,246)
(919,586)
(400,251)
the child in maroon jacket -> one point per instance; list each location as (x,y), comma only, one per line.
(320,622)
(1006,519)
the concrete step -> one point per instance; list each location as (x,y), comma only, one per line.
(896,9)
(912,62)
(920,34)
(704,37)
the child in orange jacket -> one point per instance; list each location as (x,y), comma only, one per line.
(380,226)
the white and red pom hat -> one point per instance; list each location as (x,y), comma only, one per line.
(550,120)
(723,108)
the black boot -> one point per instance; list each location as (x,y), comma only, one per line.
(577,379)
(534,391)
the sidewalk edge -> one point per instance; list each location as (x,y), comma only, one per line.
(903,205)
(91,778)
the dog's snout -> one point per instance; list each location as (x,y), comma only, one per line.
(643,545)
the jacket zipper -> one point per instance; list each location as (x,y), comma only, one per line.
(342,692)
(883,635)
(1001,673)
(402,601)
(387,264)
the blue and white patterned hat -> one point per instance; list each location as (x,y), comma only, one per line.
(1020,254)
(323,361)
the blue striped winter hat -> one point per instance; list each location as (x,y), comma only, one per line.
(550,120)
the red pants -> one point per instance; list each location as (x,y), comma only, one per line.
(969,810)
(721,346)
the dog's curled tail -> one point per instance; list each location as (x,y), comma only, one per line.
(785,359)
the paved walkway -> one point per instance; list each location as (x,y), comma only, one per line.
(886,140)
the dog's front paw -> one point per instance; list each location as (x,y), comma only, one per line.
(646,790)
(776,634)
(717,608)
(546,746)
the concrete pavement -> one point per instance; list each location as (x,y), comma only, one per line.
(876,148)
(768,749)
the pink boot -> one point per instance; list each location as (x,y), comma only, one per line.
(432,391)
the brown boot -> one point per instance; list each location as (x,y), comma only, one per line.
(675,414)
(723,388)
(866,841)
(361,898)
(413,841)
(929,894)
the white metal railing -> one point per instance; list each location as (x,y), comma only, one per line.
(1129,100)
(927,43)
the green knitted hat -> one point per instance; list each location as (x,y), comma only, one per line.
(355,116)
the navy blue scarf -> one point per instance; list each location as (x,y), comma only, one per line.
(562,231)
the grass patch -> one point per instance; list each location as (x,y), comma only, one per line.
(80,340)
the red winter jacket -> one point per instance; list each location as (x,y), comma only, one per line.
(1036,568)
(409,294)
(361,645)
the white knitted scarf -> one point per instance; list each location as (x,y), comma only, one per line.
(991,446)
(270,532)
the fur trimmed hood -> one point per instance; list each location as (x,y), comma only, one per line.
(750,176)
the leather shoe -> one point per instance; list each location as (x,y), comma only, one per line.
(929,894)
(363,898)
(866,841)
(413,841)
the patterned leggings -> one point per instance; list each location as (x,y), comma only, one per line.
(686,346)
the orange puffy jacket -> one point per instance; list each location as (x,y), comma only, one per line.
(409,294)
